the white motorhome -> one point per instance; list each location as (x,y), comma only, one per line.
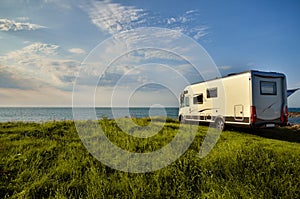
(252,98)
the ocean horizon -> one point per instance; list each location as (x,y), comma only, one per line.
(43,114)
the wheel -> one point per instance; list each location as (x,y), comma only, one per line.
(219,124)
(181,120)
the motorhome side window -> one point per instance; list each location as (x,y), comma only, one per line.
(212,92)
(268,88)
(187,101)
(181,100)
(198,99)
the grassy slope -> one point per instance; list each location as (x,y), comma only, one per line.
(49,160)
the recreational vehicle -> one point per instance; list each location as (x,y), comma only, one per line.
(252,98)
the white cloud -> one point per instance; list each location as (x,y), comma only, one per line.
(11,25)
(199,32)
(191,11)
(41,48)
(41,64)
(171,20)
(77,50)
(113,17)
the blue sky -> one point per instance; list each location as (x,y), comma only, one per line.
(44,42)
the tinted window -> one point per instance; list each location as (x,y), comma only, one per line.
(187,101)
(268,88)
(212,92)
(198,99)
(181,100)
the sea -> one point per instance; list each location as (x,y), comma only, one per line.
(295,120)
(43,114)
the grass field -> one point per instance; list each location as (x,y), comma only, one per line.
(48,160)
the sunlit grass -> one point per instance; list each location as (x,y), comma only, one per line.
(42,160)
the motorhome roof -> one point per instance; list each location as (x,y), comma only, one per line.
(255,72)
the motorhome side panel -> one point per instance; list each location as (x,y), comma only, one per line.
(238,98)
(227,98)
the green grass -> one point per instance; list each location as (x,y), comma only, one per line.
(48,160)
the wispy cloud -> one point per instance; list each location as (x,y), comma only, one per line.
(112,18)
(188,24)
(199,32)
(40,49)
(77,50)
(11,25)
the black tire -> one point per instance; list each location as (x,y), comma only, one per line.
(181,120)
(219,124)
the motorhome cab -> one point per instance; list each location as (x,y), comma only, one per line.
(252,98)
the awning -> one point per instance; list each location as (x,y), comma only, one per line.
(291,91)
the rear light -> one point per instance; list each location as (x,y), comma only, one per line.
(284,114)
(253,114)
